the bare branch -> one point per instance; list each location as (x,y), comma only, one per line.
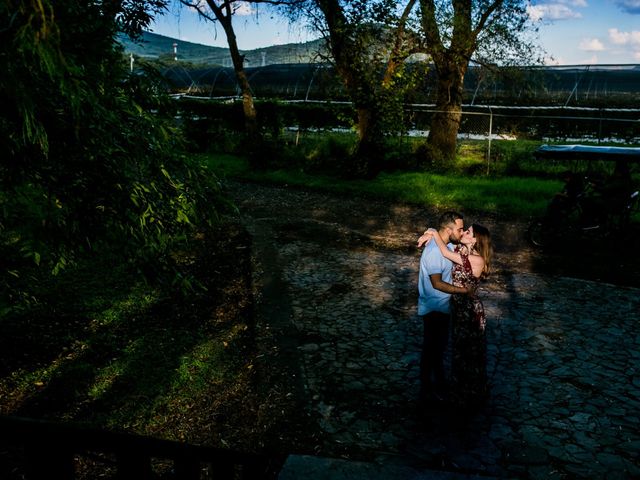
(197,6)
(278,2)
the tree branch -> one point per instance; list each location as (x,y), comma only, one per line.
(197,6)
(485,16)
(434,44)
(396,56)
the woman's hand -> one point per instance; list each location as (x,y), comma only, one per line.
(424,238)
(427,236)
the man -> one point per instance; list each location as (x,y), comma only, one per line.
(435,289)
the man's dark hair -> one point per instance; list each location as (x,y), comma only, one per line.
(448,217)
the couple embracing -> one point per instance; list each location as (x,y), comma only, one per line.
(453,262)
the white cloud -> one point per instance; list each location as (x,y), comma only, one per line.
(552,12)
(624,38)
(591,45)
(636,55)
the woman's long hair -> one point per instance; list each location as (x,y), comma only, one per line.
(484,247)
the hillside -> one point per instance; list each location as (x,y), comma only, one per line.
(154,46)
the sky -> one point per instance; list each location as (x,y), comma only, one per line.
(572,32)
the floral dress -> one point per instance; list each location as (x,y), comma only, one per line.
(469,369)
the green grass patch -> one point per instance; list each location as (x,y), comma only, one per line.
(224,165)
(512,196)
(502,196)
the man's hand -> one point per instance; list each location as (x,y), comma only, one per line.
(470,290)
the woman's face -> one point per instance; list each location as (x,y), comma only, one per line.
(467,237)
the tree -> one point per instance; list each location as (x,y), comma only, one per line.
(368,43)
(457,31)
(90,162)
(223,11)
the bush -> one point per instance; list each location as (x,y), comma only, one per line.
(515,158)
(430,159)
(331,156)
(398,155)
(92,159)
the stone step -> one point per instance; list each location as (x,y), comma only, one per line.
(307,467)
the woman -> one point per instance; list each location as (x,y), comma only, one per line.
(472,261)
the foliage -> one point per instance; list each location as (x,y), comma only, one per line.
(92,160)
(368,47)
(101,340)
(214,126)
(370,43)
(329,156)
(222,12)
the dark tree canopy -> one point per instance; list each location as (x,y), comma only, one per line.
(90,163)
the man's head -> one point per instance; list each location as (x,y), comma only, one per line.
(451,226)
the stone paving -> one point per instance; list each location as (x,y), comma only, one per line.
(563,359)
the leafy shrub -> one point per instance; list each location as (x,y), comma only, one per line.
(273,116)
(331,156)
(92,156)
(429,159)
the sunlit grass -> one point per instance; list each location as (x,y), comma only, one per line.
(198,368)
(102,347)
(514,196)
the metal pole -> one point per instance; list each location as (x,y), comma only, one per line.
(600,128)
(489,145)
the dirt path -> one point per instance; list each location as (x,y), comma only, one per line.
(352,220)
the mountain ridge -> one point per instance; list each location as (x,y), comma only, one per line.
(155,46)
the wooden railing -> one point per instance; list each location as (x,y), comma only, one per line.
(49,450)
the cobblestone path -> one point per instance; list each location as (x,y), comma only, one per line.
(564,353)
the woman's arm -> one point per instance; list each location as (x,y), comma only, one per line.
(446,253)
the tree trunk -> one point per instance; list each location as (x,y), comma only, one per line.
(445,123)
(369,155)
(353,67)
(248,107)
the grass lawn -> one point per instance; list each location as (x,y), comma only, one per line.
(508,196)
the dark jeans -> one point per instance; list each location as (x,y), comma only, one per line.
(434,345)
